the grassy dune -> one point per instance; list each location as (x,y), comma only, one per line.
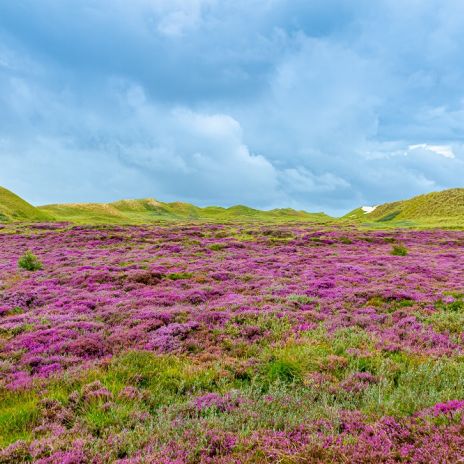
(443,209)
(14,208)
(149,210)
(436,209)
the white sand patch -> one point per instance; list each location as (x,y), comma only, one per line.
(368,209)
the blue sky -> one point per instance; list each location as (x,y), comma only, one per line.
(319,105)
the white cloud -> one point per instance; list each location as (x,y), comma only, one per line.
(443,150)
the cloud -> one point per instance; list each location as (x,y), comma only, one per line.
(323,105)
(443,150)
(199,154)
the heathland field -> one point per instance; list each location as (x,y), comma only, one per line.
(237,343)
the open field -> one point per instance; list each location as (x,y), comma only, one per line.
(231,344)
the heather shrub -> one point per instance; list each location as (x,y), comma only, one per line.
(261,354)
(399,250)
(29,262)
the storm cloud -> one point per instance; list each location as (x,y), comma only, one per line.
(320,105)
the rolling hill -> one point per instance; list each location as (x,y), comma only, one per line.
(149,210)
(437,208)
(14,208)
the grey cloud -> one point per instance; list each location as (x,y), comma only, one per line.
(264,102)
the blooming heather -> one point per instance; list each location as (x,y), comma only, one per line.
(202,343)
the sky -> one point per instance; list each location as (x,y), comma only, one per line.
(322,105)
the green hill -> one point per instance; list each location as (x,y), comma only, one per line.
(149,210)
(437,209)
(14,208)
(445,208)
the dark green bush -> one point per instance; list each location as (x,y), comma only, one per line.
(399,250)
(29,262)
(217,246)
(179,275)
(346,240)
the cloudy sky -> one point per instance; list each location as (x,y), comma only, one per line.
(313,104)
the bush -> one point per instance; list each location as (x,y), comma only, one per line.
(30,262)
(217,246)
(179,275)
(346,240)
(399,250)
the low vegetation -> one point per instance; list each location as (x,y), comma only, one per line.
(212,343)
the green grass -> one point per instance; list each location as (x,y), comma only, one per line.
(14,208)
(17,415)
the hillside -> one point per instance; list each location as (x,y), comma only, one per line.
(149,210)
(14,208)
(440,208)
(437,209)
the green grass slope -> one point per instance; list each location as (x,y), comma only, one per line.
(445,208)
(13,208)
(149,210)
(98,213)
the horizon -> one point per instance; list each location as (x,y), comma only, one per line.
(321,106)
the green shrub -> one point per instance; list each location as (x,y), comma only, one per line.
(456,305)
(346,240)
(217,246)
(179,275)
(30,262)
(399,250)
